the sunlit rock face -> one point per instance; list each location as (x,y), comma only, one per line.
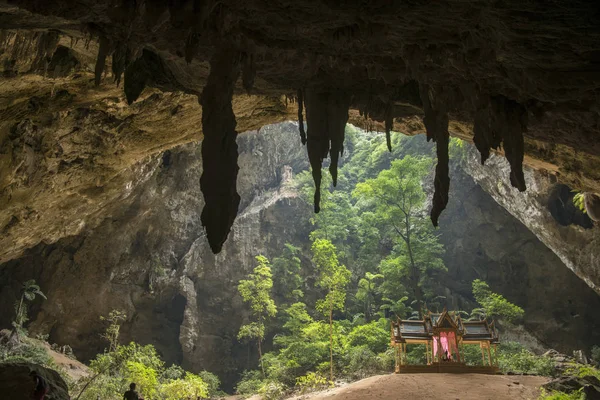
(547,211)
(149,257)
(518,76)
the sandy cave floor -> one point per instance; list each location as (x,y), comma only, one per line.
(436,386)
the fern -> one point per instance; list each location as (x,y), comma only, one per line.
(578,201)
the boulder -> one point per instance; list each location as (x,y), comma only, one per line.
(570,384)
(16,384)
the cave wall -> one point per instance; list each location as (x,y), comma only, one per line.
(547,211)
(149,257)
(485,241)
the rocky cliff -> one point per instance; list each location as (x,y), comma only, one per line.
(520,251)
(149,257)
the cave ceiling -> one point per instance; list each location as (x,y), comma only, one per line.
(517,77)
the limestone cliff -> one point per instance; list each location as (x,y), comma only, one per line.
(548,211)
(485,238)
(149,257)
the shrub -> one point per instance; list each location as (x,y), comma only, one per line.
(471,355)
(145,377)
(494,304)
(173,372)
(581,370)
(415,354)
(272,390)
(361,362)
(514,357)
(250,383)
(212,381)
(553,395)
(387,360)
(26,351)
(371,335)
(311,382)
(191,386)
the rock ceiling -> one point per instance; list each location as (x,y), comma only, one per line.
(518,77)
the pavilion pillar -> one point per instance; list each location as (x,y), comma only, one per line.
(482,354)
(427,352)
(489,355)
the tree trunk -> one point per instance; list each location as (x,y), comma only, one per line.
(87,384)
(414,272)
(262,367)
(331,343)
(18,322)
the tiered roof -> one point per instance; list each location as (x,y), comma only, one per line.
(469,331)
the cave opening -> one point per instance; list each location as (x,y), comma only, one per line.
(563,209)
(99,98)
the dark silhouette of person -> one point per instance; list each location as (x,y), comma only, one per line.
(131,394)
(41,386)
(445,356)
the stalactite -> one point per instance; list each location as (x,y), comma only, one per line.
(436,123)
(317,139)
(301,116)
(120,59)
(136,76)
(514,145)
(501,120)
(219,148)
(389,125)
(326,117)
(103,49)
(338,106)
(248,71)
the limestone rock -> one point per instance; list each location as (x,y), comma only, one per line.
(15,382)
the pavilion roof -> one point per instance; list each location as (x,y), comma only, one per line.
(424,329)
(479,330)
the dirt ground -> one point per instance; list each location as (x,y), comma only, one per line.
(74,368)
(436,386)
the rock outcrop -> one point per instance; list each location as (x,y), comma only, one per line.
(17,384)
(485,238)
(547,211)
(149,257)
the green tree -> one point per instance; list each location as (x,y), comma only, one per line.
(333,277)
(190,387)
(256,291)
(29,291)
(494,304)
(366,292)
(395,200)
(287,281)
(114,319)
